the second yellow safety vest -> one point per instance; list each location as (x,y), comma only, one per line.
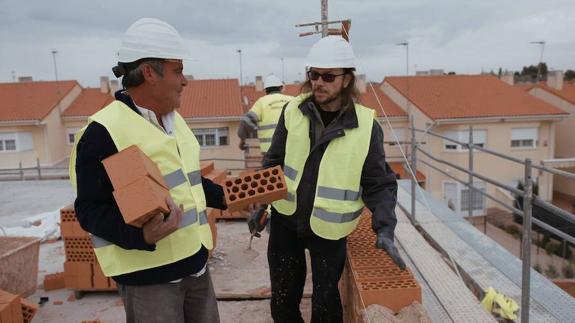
(268,109)
(338,202)
(177,158)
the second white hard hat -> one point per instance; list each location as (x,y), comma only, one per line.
(272,81)
(331,52)
(152,38)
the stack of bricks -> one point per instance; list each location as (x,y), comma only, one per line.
(139,187)
(81,269)
(371,277)
(263,186)
(14,309)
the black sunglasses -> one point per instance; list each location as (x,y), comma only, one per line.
(326,77)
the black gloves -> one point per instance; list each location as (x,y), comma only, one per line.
(258,220)
(385,242)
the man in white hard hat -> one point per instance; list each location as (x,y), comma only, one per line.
(160,269)
(331,151)
(264,114)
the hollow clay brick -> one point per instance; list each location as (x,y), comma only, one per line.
(381,274)
(130,165)
(78,275)
(100,281)
(264,186)
(206,167)
(10,308)
(376,262)
(29,309)
(217,176)
(393,294)
(70,229)
(54,281)
(141,200)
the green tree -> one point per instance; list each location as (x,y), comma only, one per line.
(569,75)
(532,71)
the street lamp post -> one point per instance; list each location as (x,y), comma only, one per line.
(241,75)
(542,44)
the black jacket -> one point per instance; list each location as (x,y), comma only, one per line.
(98,212)
(378,181)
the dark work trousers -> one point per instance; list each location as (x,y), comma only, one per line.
(192,300)
(286,257)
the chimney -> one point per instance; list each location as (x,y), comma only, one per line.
(259,83)
(508,78)
(114,86)
(23,79)
(555,80)
(361,83)
(104,84)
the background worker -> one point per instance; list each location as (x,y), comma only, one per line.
(264,114)
(331,150)
(160,269)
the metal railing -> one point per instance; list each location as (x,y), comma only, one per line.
(529,199)
(34,173)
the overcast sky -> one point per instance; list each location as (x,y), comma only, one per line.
(455,35)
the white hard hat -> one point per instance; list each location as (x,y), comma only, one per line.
(272,81)
(331,52)
(152,38)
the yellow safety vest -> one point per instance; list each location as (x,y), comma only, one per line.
(177,158)
(268,109)
(338,202)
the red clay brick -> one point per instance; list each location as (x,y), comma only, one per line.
(264,186)
(100,281)
(216,176)
(141,200)
(206,167)
(71,229)
(29,309)
(54,281)
(10,308)
(393,294)
(130,165)
(78,275)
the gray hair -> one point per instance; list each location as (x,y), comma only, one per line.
(135,76)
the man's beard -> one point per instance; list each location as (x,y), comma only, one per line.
(327,100)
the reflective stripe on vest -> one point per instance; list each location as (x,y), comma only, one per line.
(268,110)
(337,202)
(177,158)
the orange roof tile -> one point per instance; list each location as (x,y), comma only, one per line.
(90,101)
(211,98)
(469,96)
(367,99)
(249,91)
(31,100)
(566,93)
(398,169)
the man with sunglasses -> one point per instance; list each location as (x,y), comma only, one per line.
(331,150)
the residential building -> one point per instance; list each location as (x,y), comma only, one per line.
(31,126)
(504,118)
(560,94)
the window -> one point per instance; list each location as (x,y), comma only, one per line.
(456,195)
(210,137)
(15,141)
(524,137)
(71,132)
(479,139)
